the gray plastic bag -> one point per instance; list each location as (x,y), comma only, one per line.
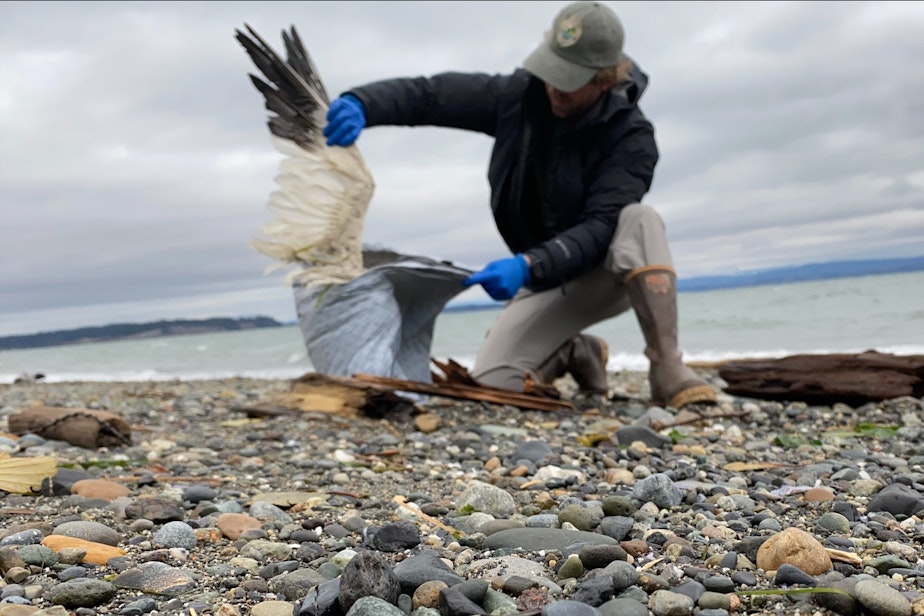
(382,321)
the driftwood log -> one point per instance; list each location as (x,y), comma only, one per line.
(850,378)
(81,427)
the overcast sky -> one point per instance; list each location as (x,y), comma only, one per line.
(135,163)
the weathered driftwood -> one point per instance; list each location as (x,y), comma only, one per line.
(851,378)
(469,392)
(82,427)
(334,395)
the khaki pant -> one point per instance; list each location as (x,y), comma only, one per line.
(532,325)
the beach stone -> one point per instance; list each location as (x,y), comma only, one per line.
(711,600)
(834,522)
(544,539)
(16,574)
(550,472)
(82,593)
(89,531)
(454,603)
(667,603)
(594,591)
(198,493)
(157,510)
(480,496)
(96,553)
(496,602)
(428,594)
(423,567)
(175,535)
(818,495)
(10,558)
(882,564)
(534,451)
(658,489)
(233,525)
(99,488)
(31,536)
(374,606)
(396,537)
(618,506)
(294,585)
(569,608)
(582,518)
(897,499)
(72,573)
(617,527)
(38,555)
(265,511)
(599,556)
(272,608)
(427,422)
(139,607)
(322,600)
(156,578)
(623,607)
(622,574)
(631,434)
(788,575)
(263,550)
(795,547)
(571,568)
(368,574)
(881,599)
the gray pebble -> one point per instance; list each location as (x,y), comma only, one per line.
(175,535)
(882,600)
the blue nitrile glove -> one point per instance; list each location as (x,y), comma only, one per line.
(502,278)
(346,118)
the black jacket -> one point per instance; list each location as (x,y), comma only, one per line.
(557,187)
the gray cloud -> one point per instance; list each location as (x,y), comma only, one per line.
(135,163)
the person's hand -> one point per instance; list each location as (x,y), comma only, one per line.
(346,118)
(502,278)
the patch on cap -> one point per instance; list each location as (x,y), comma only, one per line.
(569,32)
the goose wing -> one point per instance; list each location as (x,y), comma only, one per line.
(323,193)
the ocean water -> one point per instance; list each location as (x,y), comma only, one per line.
(846,315)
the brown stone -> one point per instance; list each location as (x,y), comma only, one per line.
(851,378)
(428,594)
(232,525)
(99,488)
(797,548)
(97,553)
(635,547)
(818,495)
(427,423)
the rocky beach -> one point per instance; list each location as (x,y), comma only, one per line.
(457,508)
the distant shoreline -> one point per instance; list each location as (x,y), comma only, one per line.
(133,331)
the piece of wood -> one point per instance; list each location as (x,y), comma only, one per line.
(82,427)
(850,378)
(340,396)
(468,392)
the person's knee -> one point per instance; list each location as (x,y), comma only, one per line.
(639,214)
(507,378)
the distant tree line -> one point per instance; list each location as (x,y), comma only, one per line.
(124,331)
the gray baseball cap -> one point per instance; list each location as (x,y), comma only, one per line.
(585,37)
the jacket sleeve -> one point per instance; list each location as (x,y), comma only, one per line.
(455,100)
(622,178)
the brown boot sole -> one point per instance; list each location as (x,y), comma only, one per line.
(699,394)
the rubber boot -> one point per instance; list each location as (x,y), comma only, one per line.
(584,357)
(653,293)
